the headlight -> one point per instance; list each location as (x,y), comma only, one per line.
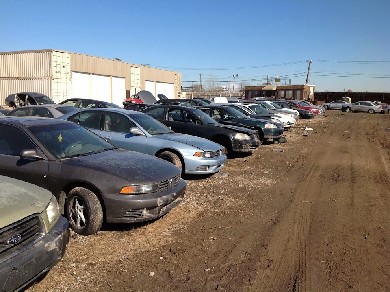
(241,136)
(206,154)
(270,126)
(137,189)
(51,214)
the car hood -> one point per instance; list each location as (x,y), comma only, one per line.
(147,97)
(237,129)
(127,165)
(197,142)
(20,199)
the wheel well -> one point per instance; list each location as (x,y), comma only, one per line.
(69,187)
(224,141)
(173,151)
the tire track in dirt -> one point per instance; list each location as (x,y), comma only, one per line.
(320,243)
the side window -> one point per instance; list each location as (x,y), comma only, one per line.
(21,112)
(87,119)
(157,113)
(13,141)
(117,123)
(41,112)
(175,115)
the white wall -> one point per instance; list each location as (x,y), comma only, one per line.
(105,88)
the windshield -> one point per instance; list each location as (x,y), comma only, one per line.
(267,105)
(237,111)
(67,139)
(150,125)
(205,118)
(277,106)
(258,109)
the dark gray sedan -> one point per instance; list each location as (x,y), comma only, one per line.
(92,180)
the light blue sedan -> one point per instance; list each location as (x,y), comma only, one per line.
(140,132)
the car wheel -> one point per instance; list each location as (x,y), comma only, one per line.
(371,111)
(348,109)
(84,211)
(172,158)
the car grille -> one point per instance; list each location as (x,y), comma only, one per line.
(169,183)
(17,235)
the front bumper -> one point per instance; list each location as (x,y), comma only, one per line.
(196,165)
(144,207)
(244,145)
(272,134)
(23,267)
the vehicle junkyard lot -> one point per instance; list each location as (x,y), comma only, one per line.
(309,215)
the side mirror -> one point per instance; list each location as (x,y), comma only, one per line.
(30,154)
(136,131)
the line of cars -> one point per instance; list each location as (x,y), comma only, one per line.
(370,107)
(83,158)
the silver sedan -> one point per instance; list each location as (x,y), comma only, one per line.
(140,132)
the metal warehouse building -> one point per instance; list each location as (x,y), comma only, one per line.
(61,75)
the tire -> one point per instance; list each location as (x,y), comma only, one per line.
(371,111)
(84,211)
(172,158)
(347,109)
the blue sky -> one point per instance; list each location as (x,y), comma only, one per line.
(348,41)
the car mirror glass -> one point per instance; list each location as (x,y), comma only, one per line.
(136,131)
(30,154)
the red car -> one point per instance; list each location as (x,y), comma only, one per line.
(303,104)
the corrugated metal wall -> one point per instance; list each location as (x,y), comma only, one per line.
(26,64)
(50,72)
(25,71)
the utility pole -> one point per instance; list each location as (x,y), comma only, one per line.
(308,71)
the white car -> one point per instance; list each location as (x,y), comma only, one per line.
(256,109)
(275,106)
(294,112)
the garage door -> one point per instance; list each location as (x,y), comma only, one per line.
(105,88)
(167,89)
(151,87)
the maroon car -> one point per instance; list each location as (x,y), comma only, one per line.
(303,104)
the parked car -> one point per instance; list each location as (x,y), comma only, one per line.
(33,234)
(192,121)
(335,105)
(227,114)
(303,104)
(140,132)
(292,111)
(45,111)
(362,106)
(88,103)
(92,180)
(303,114)
(258,111)
(275,108)
(27,98)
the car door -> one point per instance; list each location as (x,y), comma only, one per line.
(116,129)
(12,141)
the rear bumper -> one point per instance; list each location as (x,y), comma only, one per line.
(23,268)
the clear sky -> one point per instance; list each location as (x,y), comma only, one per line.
(348,41)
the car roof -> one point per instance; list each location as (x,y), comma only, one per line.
(111,109)
(29,121)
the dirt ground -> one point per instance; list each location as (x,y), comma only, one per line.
(308,215)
